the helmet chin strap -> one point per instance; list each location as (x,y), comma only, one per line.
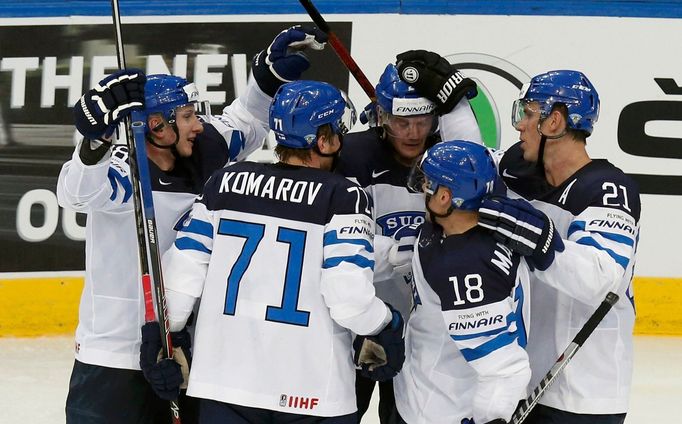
(543,140)
(432,214)
(173,145)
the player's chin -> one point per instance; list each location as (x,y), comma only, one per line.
(185,148)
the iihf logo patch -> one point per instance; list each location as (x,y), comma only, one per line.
(282,400)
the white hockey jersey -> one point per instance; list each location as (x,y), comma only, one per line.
(465,339)
(111,307)
(369,161)
(282,259)
(596,212)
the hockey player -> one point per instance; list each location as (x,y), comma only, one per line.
(581,242)
(281,256)
(106,384)
(379,160)
(465,358)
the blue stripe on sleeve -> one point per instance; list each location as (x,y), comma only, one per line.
(236,144)
(620,260)
(330,237)
(186,243)
(483,334)
(580,226)
(358,260)
(498,342)
(115,177)
(576,226)
(197,226)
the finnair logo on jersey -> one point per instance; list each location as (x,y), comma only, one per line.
(394,221)
(300,402)
(473,325)
(604,223)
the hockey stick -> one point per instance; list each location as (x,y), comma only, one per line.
(145,219)
(527,405)
(340,49)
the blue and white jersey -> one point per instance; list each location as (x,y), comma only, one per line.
(369,161)
(282,259)
(111,307)
(465,339)
(596,212)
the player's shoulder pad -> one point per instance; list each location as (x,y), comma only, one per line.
(360,154)
(601,184)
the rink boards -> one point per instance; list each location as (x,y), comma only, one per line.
(46,306)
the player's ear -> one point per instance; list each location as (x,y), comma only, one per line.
(156,124)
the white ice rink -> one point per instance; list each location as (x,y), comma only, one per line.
(34,375)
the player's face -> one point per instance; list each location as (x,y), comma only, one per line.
(189,126)
(408,135)
(527,126)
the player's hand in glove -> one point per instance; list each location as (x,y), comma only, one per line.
(283,61)
(402,251)
(381,357)
(166,376)
(99,111)
(435,78)
(522,228)
(471,421)
(369,115)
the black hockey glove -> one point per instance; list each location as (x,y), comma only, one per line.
(283,61)
(166,376)
(435,78)
(99,111)
(524,229)
(381,357)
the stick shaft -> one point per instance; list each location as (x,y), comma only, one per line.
(340,50)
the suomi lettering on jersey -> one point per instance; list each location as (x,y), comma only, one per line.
(284,189)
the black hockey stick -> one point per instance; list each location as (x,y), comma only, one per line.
(527,405)
(145,219)
(341,50)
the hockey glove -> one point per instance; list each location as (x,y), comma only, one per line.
(99,111)
(521,227)
(435,78)
(369,115)
(381,357)
(401,252)
(166,376)
(283,61)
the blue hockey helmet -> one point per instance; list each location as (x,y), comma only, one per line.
(464,167)
(299,108)
(396,97)
(571,88)
(165,93)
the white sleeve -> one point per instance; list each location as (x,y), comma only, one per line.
(104,186)
(460,124)
(596,257)
(347,275)
(383,270)
(185,265)
(248,114)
